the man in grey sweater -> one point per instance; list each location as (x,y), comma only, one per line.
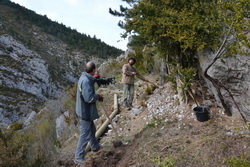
(86,110)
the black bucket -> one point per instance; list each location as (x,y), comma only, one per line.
(202,113)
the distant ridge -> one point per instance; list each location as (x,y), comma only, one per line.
(76,40)
(40,58)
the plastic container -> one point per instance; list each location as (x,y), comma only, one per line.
(202,113)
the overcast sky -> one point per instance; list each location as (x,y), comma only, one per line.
(90,17)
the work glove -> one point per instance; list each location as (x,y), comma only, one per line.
(100,97)
(97,76)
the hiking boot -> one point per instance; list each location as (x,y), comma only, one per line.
(79,162)
(97,149)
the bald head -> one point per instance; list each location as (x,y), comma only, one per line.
(90,67)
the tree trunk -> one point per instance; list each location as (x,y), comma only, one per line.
(163,73)
(181,93)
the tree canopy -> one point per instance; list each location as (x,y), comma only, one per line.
(192,24)
(180,28)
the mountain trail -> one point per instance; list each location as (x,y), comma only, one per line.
(157,131)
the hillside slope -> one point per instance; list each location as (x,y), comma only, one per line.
(35,64)
(159,132)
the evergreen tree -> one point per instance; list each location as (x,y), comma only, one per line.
(179,28)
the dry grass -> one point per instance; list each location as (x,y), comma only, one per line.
(192,143)
(167,141)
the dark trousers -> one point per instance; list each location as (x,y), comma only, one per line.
(87,134)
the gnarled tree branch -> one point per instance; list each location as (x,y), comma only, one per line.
(218,85)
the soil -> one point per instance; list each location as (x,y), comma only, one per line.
(157,131)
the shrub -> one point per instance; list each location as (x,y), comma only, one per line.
(14,151)
(166,162)
(16,126)
(32,146)
(150,89)
(238,162)
(143,104)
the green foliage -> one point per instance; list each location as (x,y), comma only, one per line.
(153,87)
(140,61)
(33,146)
(14,153)
(3,138)
(187,76)
(151,125)
(70,105)
(238,162)
(150,89)
(16,126)
(143,104)
(146,59)
(248,126)
(171,78)
(155,123)
(44,129)
(70,102)
(164,162)
(194,24)
(177,29)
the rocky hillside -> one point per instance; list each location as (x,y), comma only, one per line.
(232,74)
(35,65)
(158,132)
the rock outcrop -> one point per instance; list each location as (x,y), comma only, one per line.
(28,78)
(234,73)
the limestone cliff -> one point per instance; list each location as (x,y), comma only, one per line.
(233,72)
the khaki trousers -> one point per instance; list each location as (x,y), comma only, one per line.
(128,95)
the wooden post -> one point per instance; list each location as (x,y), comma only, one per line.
(104,126)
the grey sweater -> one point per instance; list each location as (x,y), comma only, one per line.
(86,98)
